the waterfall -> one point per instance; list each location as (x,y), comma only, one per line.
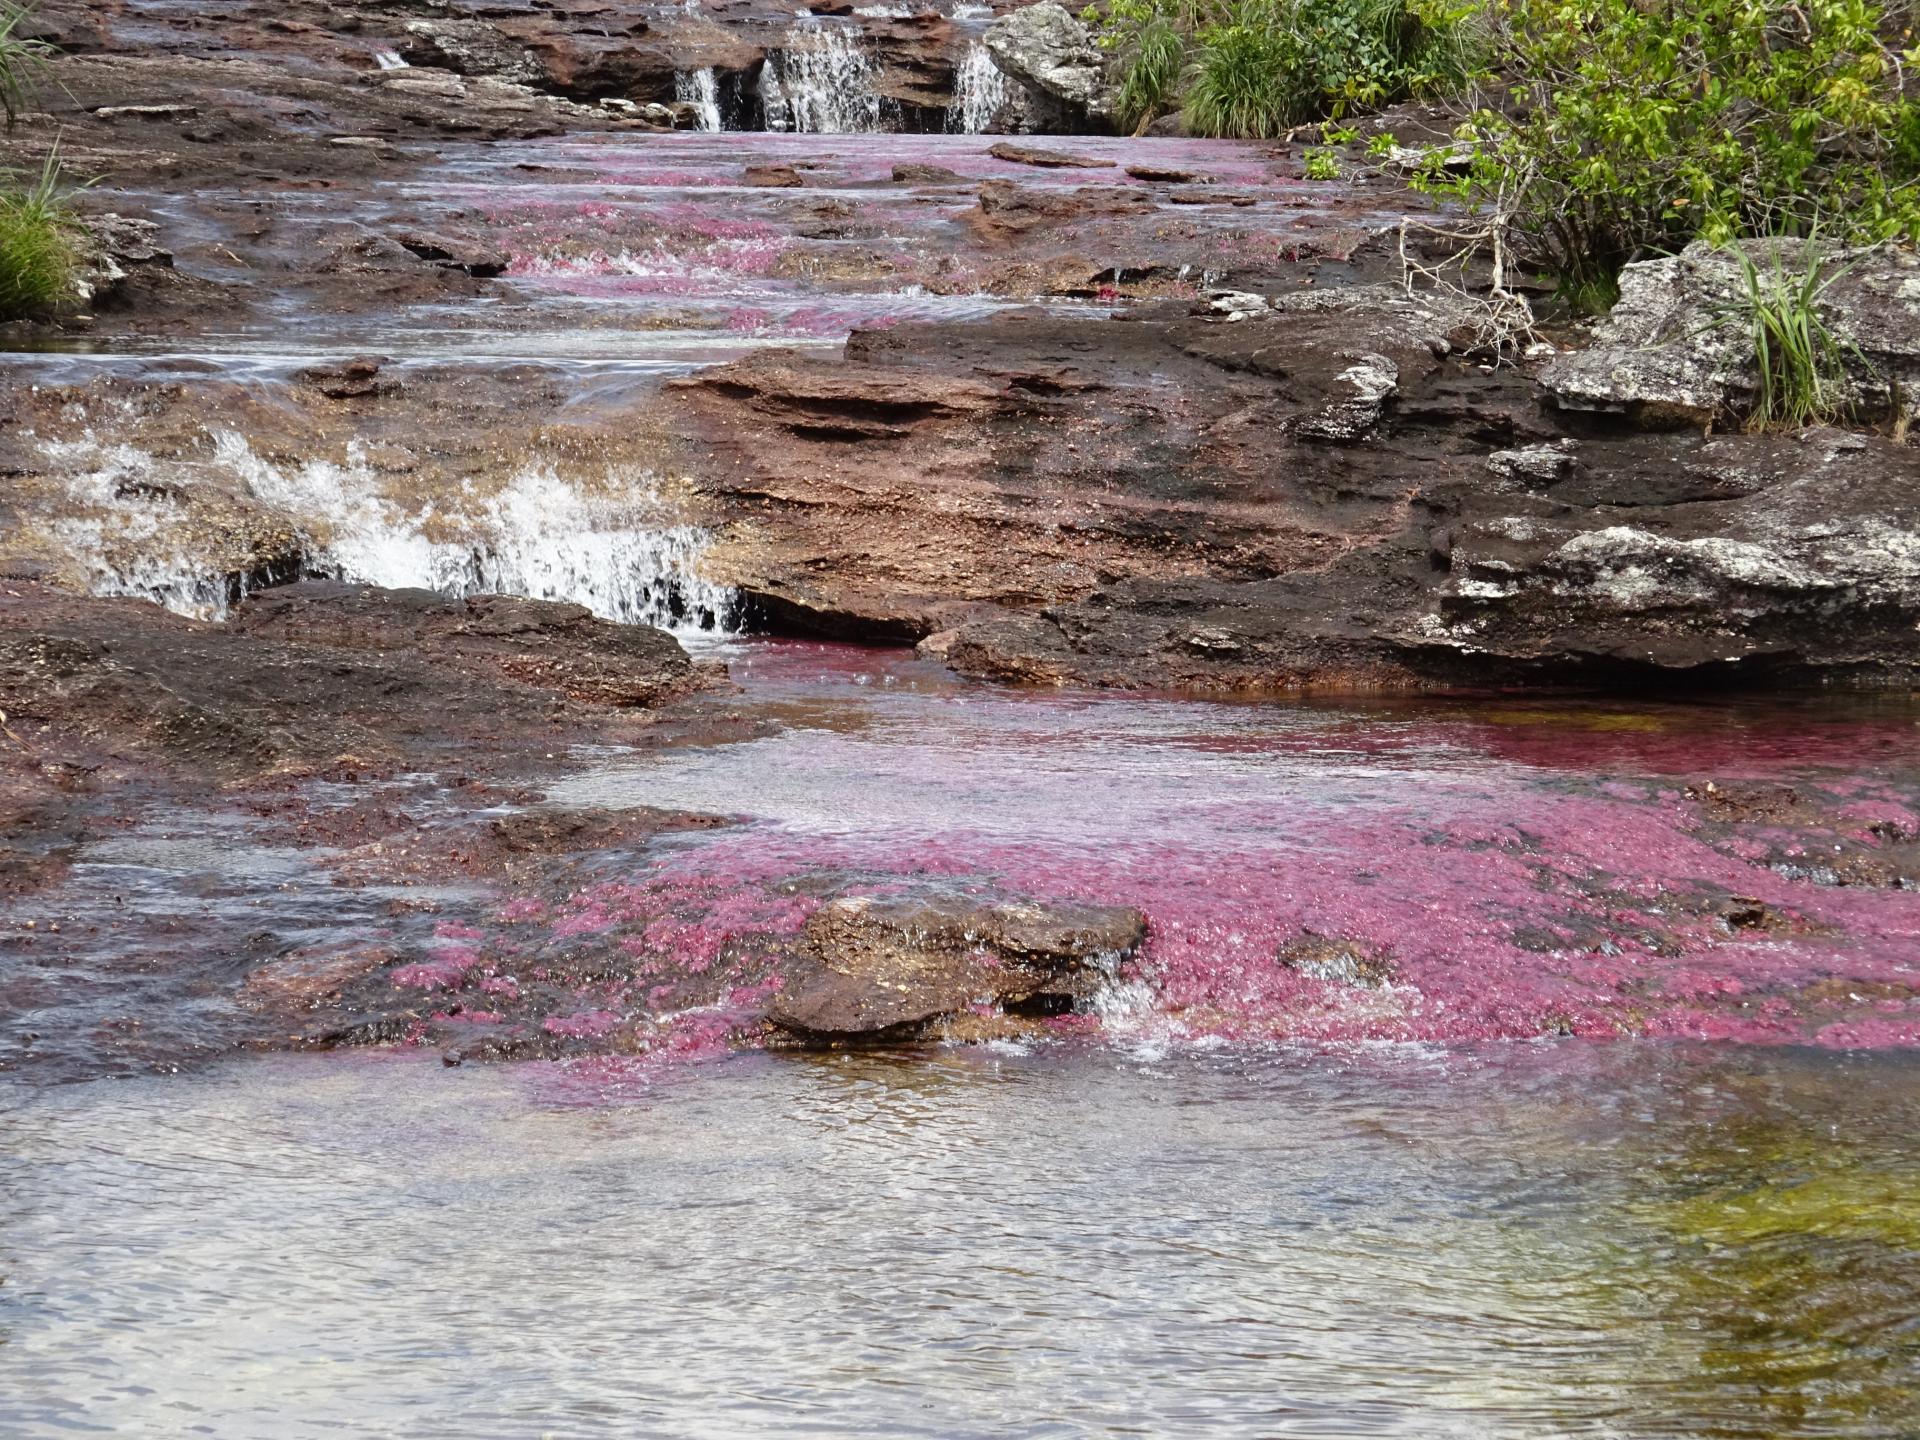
(612,548)
(822,82)
(389,60)
(979,92)
(700,89)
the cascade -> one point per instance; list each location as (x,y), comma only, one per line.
(538,536)
(822,82)
(700,89)
(979,92)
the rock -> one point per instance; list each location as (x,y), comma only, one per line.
(467,47)
(1325,494)
(927,175)
(1053,56)
(874,969)
(1343,962)
(547,643)
(1676,350)
(1168,175)
(1008,211)
(146,112)
(316,671)
(1045,159)
(355,379)
(780,177)
(456,252)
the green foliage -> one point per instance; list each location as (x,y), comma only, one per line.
(1259,68)
(37,261)
(1150,73)
(1321,165)
(1802,363)
(1248,78)
(23,62)
(1634,128)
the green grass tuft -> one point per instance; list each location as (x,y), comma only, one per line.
(39,268)
(1802,364)
(23,61)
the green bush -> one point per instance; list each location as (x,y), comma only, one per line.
(23,62)
(1258,68)
(1630,129)
(38,266)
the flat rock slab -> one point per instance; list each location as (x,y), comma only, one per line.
(1168,175)
(1046,159)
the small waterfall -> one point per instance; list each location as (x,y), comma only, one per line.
(538,535)
(390,60)
(822,82)
(979,92)
(700,89)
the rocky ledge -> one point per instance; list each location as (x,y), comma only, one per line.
(1313,490)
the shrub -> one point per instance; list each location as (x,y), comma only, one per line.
(1632,129)
(38,267)
(1322,165)
(1259,68)
(23,61)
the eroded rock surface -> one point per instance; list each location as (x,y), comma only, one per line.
(1310,490)
(870,968)
(1051,52)
(1677,350)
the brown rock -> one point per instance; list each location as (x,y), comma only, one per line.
(881,969)
(778,177)
(1045,159)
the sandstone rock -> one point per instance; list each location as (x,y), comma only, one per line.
(879,969)
(1045,159)
(1052,55)
(318,671)
(465,253)
(779,177)
(541,642)
(1008,211)
(1168,175)
(1677,351)
(927,175)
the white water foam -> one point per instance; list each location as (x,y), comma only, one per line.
(700,89)
(390,60)
(822,82)
(538,536)
(979,92)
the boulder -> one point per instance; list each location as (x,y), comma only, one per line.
(874,969)
(1052,54)
(1677,351)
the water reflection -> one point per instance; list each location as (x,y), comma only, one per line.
(1626,1241)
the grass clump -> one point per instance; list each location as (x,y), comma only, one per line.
(1258,68)
(39,266)
(23,61)
(1802,364)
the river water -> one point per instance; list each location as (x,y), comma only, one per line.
(1528,1242)
(1249,1202)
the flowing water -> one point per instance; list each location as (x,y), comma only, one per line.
(1606,1242)
(1241,1199)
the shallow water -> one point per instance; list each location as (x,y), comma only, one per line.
(1565,1241)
